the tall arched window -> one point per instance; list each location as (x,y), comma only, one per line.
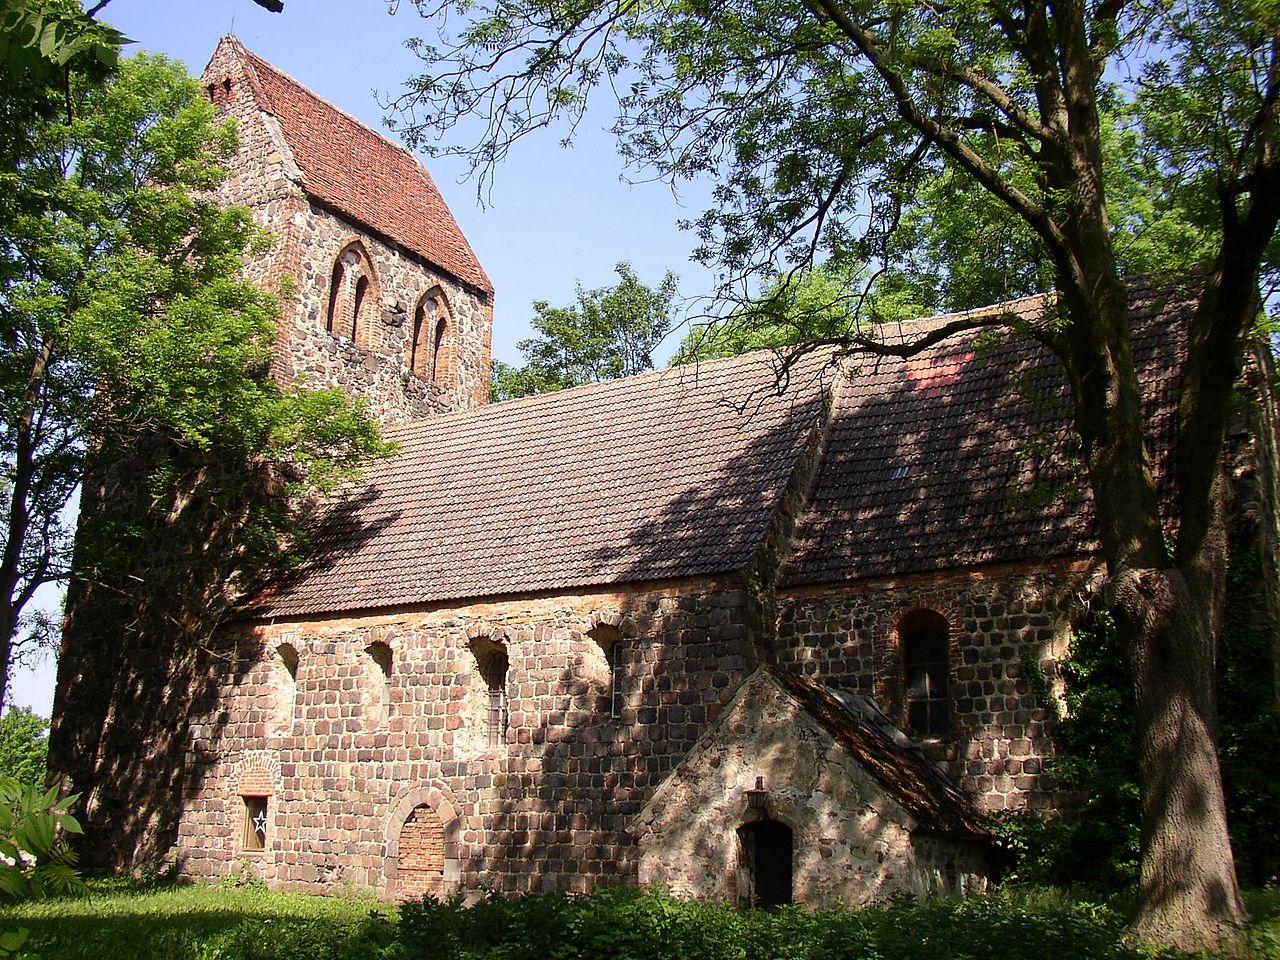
(492,665)
(923,636)
(379,683)
(427,352)
(358,320)
(336,282)
(353,294)
(438,367)
(286,684)
(611,645)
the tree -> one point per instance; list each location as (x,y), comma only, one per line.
(24,746)
(124,319)
(818,120)
(611,332)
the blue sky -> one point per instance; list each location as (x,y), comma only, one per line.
(555,215)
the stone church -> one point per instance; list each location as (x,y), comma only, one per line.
(750,640)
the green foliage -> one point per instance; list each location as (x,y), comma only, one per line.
(35,859)
(826,305)
(628,924)
(125,920)
(1097,842)
(611,332)
(24,746)
(1249,723)
(126,317)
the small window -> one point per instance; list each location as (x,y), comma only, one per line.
(255,824)
(420,360)
(614,649)
(380,687)
(926,663)
(494,672)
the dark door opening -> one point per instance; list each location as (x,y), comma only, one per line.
(767,853)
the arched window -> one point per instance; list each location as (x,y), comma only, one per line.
(923,636)
(492,664)
(379,685)
(614,650)
(353,294)
(358,320)
(427,352)
(286,684)
(423,346)
(438,367)
(337,281)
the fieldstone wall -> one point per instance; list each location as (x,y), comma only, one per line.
(298,267)
(548,807)
(1001,620)
(853,844)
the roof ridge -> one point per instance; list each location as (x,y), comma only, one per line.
(692,370)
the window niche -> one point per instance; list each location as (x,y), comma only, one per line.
(427,351)
(353,297)
(254,834)
(613,649)
(378,685)
(492,667)
(924,641)
(285,681)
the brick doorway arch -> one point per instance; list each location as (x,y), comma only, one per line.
(422,844)
(421,855)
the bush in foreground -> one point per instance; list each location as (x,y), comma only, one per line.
(627,924)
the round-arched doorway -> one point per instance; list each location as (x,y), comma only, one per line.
(421,855)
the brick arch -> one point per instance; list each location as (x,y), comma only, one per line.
(256,773)
(354,284)
(431,349)
(422,837)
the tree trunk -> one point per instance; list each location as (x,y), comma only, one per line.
(1187,895)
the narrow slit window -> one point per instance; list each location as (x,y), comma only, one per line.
(494,673)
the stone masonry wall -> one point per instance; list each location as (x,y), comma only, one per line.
(853,844)
(308,239)
(549,806)
(998,618)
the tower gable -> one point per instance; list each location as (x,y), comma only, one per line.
(362,237)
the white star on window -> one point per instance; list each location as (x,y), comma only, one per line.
(260,825)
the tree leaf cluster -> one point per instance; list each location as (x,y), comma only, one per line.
(609,332)
(125,316)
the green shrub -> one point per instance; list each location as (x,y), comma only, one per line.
(628,924)
(24,746)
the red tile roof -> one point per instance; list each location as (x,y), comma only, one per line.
(964,455)
(668,474)
(960,456)
(362,174)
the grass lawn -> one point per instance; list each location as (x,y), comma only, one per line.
(121,920)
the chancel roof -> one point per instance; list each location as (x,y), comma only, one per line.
(361,174)
(963,455)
